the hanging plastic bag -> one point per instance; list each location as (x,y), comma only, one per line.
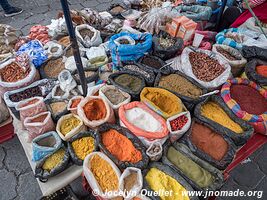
(53,49)
(97,56)
(88,35)
(39,124)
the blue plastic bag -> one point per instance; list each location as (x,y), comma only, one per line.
(35,51)
(128,52)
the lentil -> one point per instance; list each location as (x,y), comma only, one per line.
(114,96)
(226,54)
(58,107)
(54,160)
(83,146)
(95,109)
(130,82)
(69,124)
(13,72)
(130,181)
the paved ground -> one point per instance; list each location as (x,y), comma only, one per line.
(17,180)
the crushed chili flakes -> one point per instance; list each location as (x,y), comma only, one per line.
(13,72)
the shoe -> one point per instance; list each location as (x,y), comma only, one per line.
(13,11)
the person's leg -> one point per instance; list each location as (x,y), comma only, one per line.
(229,16)
(5,5)
(10,10)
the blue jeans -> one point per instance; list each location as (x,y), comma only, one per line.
(5,5)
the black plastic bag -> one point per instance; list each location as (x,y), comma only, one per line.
(89,79)
(252,74)
(56,116)
(88,133)
(158,67)
(183,149)
(169,52)
(188,101)
(168,171)
(239,139)
(250,52)
(142,164)
(43,175)
(220,164)
(146,73)
(134,94)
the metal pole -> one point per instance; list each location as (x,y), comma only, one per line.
(74,45)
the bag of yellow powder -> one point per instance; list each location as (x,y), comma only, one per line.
(69,125)
(162,101)
(81,145)
(200,174)
(101,174)
(163,179)
(217,114)
(52,165)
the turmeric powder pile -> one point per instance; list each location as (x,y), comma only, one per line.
(104,174)
(83,146)
(69,124)
(215,113)
(54,160)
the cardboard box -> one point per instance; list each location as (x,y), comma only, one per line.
(173,27)
(171,30)
(187,30)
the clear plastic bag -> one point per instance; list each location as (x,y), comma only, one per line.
(53,49)
(154,151)
(66,81)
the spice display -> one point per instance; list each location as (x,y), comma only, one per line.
(83,146)
(151,62)
(166,42)
(95,109)
(180,85)
(124,41)
(40,118)
(75,103)
(120,146)
(104,174)
(53,67)
(114,96)
(178,123)
(208,141)
(130,181)
(262,70)
(204,67)
(13,72)
(64,41)
(131,82)
(226,54)
(137,69)
(86,33)
(58,107)
(69,124)
(159,181)
(249,99)
(26,94)
(54,160)
(215,113)
(192,170)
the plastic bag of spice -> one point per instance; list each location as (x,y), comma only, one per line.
(143,122)
(52,164)
(45,144)
(52,67)
(232,56)
(13,75)
(166,47)
(254,52)
(73,104)
(207,68)
(53,49)
(30,107)
(88,35)
(154,151)
(162,101)
(57,107)
(82,144)
(102,111)
(114,96)
(152,62)
(108,181)
(209,144)
(131,181)
(69,125)
(198,173)
(58,93)
(160,177)
(97,56)
(66,81)
(39,124)
(221,117)
(90,75)
(252,72)
(122,146)
(129,82)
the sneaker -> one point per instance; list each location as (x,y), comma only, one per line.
(13,11)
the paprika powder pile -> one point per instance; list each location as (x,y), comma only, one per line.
(95,109)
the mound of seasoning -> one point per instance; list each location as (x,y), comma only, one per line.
(58,107)
(40,118)
(114,96)
(178,123)
(215,113)
(262,70)
(130,181)
(69,124)
(159,181)
(53,67)
(120,146)
(130,82)
(192,170)
(26,94)
(204,67)
(208,141)
(54,160)
(151,62)
(180,85)
(86,33)
(95,109)
(124,41)
(75,103)
(33,101)
(226,54)
(104,174)
(13,72)
(83,146)
(249,99)
(166,42)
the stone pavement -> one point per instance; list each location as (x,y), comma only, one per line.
(17,179)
